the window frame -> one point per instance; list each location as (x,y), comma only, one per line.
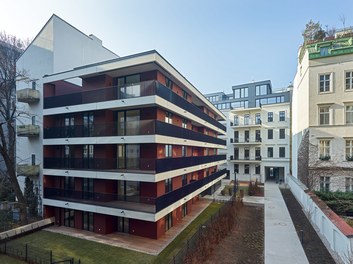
(282,150)
(282,133)
(348,112)
(282,116)
(270,117)
(269,133)
(323,115)
(269,151)
(350,78)
(326,88)
(324,149)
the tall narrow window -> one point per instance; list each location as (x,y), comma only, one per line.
(236,168)
(349,80)
(168,118)
(168,221)
(270,117)
(257,153)
(168,151)
(246,168)
(324,115)
(129,86)
(257,118)
(349,184)
(282,152)
(168,185)
(185,95)
(257,169)
(282,115)
(184,180)
(88,128)
(183,151)
(246,120)
(270,152)
(184,124)
(236,120)
(324,149)
(349,149)
(324,83)
(247,135)
(168,83)
(69,123)
(349,114)
(325,184)
(88,156)
(69,217)
(270,134)
(236,136)
(282,133)
(87,221)
(258,136)
(246,154)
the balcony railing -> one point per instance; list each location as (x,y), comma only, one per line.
(258,140)
(141,164)
(132,128)
(27,170)
(28,96)
(27,130)
(250,123)
(147,204)
(141,89)
(245,158)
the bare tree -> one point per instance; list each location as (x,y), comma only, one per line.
(313,31)
(343,20)
(10,50)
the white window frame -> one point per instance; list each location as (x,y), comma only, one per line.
(350,112)
(324,148)
(325,183)
(169,151)
(349,184)
(350,78)
(324,114)
(326,87)
(349,149)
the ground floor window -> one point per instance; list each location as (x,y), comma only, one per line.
(185,209)
(257,169)
(123,224)
(325,184)
(349,184)
(69,218)
(168,221)
(87,221)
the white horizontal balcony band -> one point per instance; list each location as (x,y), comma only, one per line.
(175,205)
(139,139)
(131,102)
(128,176)
(100,209)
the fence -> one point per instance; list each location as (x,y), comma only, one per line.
(32,254)
(332,227)
(208,234)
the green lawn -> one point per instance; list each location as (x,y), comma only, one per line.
(5,259)
(91,252)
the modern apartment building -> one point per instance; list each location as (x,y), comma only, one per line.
(323,114)
(128,145)
(258,131)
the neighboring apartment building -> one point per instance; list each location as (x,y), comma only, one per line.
(323,114)
(258,131)
(57,47)
(128,145)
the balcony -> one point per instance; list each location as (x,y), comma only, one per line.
(132,128)
(28,96)
(27,170)
(251,159)
(247,124)
(28,130)
(140,165)
(141,89)
(134,202)
(247,142)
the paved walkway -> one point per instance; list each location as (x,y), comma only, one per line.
(137,243)
(282,243)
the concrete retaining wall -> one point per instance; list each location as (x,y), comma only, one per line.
(336,231)
(27,228)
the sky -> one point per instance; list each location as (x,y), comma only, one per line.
(215,44)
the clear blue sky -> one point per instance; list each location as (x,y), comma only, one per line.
(214,44)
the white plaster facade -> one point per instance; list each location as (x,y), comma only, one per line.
(248,143)
(57,47)
(332,125)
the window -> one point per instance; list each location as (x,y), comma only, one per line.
(349,184)
(270,152)
(184,180)
(246,168)
(129,86)
(88,126)
(258,153)
(282,152)
(246,119)
(185,95)
(270,134)
(261,89)
(87,221)
(257,169)
(236,120)
(88,156)
(257,118)
(324,149)
(34,85)
(324,83)
(325,184)
(69,217)
(128,122)
(236,136)
(241,93)
(349,150)
(349,114)
(246,154)
(270,116)
(258,136)
(184,124)
(168,185)
(168,83)
(185,209)
(240,104)
(246,135)
(282,133)
(168,151)
(349,80)
(168,221)
(168,118)
(282,115)
(213,98)
(324,112)
(183,151)
(236,168)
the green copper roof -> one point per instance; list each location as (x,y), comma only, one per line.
(329,48)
